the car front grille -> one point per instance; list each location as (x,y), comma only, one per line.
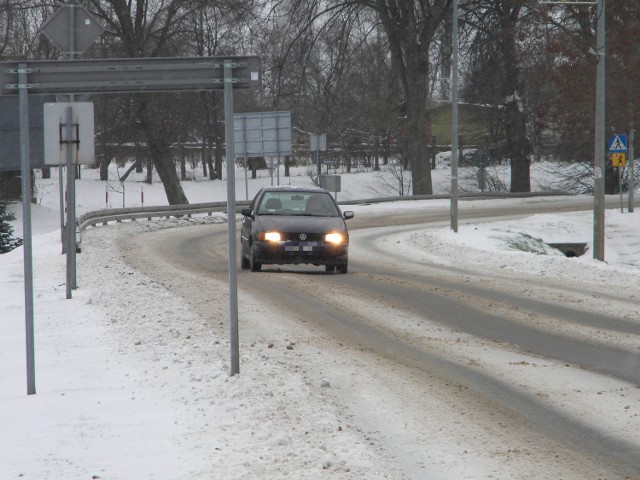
(303,237)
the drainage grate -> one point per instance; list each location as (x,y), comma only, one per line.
(570,249)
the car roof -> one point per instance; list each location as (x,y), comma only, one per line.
(294,188)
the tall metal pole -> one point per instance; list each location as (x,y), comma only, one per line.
(63,240)
(630,175)
(25,161)
(71,193)
(599,147)
(231,217)
(71,281)
(454,119)
(246,158)
(277,150)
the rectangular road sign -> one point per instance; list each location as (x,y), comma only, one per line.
(129,75)
(55,133)
(262,134)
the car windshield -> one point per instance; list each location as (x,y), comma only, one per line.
(316,204)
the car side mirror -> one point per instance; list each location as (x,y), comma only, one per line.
(247,212)
(347,215)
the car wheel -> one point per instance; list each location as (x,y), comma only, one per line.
(329,268)
(342,268)
(255,266)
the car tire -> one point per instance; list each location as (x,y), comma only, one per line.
(254,266)
(343,267)
(329,268)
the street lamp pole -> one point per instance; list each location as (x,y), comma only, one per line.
(599,146)
(454,118)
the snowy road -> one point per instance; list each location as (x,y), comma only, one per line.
(452,366)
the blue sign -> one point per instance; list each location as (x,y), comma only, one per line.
(618,143)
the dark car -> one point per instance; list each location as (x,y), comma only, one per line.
(293,225)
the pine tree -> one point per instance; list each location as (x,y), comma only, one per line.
(7,240)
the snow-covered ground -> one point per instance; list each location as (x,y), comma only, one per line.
(137,385)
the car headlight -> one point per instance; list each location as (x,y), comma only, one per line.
(334,237)
(270,236)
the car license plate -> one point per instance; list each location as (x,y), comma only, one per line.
(301,247)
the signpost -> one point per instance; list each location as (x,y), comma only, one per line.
(83,137)
(72,29)
(618,159)
(618,143)
(481,160)
(262,134)
(631,174)
(317,144)
(453,208)
(119,76)
(618,151)
(129,75)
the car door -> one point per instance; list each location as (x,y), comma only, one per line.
(247,225)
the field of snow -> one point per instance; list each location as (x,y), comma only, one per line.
(136,386)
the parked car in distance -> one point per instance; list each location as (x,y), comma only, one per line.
(294,225)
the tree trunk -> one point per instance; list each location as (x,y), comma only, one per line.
(518,147)
(183,165)
(416,146)
(161,158)
(515,126)
(218,166)
(203,159)
(166,169)
(149,179)
(410,28)
(104,168)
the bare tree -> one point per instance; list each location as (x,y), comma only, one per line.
(410,27)
(496,76)
(149,28)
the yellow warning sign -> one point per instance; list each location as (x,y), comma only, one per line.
(618,159)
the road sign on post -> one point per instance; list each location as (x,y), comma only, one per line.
(618,143)
(262,134)
(318,143)
(85,29)
(618,159)
(129,75)
(55,137)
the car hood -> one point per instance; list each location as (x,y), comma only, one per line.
(295,224)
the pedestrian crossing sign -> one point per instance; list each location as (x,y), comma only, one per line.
(618,143)
(618,159)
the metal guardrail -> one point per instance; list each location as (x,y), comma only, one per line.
(97,217)
(105,216)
